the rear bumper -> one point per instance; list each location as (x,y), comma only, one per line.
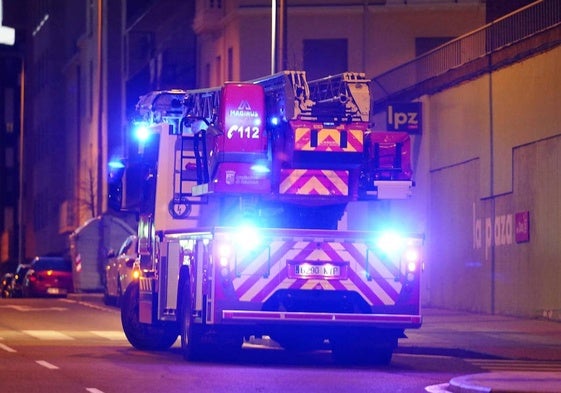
(391,321)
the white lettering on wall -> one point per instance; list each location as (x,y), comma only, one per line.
(498,231)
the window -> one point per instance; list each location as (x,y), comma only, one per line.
(323,57)
(207,75)
(425,44)
(230,64)
(218,62)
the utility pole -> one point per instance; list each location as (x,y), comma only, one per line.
(278,36)
(282,35)
(99,77)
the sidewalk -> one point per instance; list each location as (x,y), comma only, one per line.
(493,336)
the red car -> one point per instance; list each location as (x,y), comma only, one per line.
(48,276)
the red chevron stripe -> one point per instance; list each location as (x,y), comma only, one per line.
(283,274)
(275,257)
(357,144)
(360,258)
(355,277)
(315,175)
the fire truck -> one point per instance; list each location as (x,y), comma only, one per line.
(243,189)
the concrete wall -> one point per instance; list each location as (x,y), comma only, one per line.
(494,146)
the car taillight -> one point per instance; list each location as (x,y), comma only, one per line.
(32,277)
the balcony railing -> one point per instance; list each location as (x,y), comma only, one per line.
(410,78)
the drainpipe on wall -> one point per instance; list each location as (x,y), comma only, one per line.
(492,179)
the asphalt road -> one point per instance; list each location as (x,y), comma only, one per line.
(77,345)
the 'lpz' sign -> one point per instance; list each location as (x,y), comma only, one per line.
(405,117)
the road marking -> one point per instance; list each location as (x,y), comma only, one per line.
(440,388)
(94,390)
(113,335)
(47,335)
(29,308)
(94,306)
(7,348)
(46,364)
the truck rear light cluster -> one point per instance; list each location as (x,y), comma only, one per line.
(243,241)
(412,258)
(404,249)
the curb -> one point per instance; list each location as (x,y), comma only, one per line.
(507,382)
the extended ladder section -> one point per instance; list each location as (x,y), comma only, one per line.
(315,143)
(167,107)
(202,104)
(345,95)
(164,106)
(287,96)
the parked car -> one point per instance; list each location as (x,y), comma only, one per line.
(48,276)
(7,284)
(120,270)
(11,285)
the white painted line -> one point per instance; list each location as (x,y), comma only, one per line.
(440,388)
(7,348)
(94,390)
(46,364)
(114,335)
(47,335)
(90,305)
(23,308)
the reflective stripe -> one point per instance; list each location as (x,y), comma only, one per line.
(314,182)
(260,274)
(328,140)
(383,319)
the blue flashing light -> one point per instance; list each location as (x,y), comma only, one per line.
(116,164)
(248,238)
(116,170)
(390,242)
(141,131)
(275,121)
(260,168)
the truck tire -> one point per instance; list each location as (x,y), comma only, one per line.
(197,341)
(119,297)
(191,345)
(143,336)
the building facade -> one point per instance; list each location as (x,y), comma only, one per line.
(235,39)
(86,62)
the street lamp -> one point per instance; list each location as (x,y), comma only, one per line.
(7,34)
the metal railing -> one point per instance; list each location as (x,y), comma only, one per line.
(519,25)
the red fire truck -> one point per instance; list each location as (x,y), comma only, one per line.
(243,189)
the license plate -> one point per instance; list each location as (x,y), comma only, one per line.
(55,291)
(309,270)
